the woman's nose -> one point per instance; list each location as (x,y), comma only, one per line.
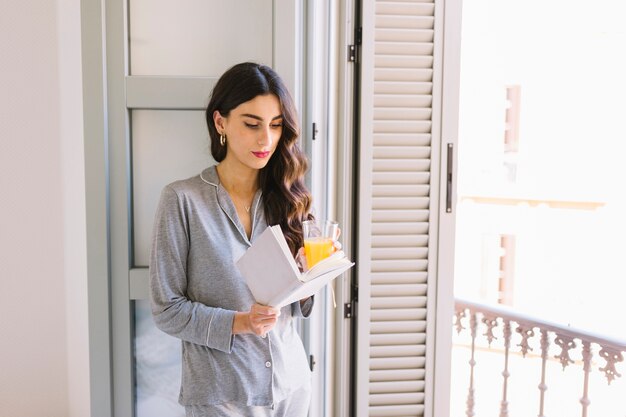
(265,138)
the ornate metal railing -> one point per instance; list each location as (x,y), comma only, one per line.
(471,315)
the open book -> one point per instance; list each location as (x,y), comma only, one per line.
(273,276)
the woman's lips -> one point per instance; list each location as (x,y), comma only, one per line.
(261,154)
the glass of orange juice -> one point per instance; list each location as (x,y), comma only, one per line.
(318,241)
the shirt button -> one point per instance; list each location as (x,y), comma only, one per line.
(268,364)
(264,336)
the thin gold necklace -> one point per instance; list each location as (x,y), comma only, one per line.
(246,207)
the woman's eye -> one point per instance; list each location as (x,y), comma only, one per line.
(277,125)
(251,126)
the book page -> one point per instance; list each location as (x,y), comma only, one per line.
(307,289)
(280,238)
(334,261)
(268,271)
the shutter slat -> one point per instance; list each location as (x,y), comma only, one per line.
(396,386)
(398,290)
(409,293)
(403,100)
(397,398)
(402,114)
(398,302)
(396,411)
(400,265)
(397,351)
(404,22)
(400,228)
(403,61)
(399,278)
(404,8)
(385,241)
(401,190)
(403,87)
(381,178)
(402,126)
(399,314)
(402,139)
(391,339)
(404,74)
(404,35)
(403,48)
(401,178)
(397,327)
(380,216)
(412,362)
(411,203)
(391,254)
(391,165)
(397,375)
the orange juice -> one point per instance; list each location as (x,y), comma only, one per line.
(316,249)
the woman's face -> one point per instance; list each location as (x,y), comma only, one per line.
(252,131)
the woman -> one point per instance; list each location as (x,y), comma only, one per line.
(239,358)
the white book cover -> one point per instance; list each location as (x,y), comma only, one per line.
(273,276)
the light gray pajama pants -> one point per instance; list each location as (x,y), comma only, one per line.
(296,405)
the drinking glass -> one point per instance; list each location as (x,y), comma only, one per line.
(318,241)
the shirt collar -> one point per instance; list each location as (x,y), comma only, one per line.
(210,176)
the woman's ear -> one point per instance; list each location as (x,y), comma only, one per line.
(219,121)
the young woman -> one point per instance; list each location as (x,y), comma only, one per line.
(239,358)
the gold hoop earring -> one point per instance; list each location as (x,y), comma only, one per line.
(222,139)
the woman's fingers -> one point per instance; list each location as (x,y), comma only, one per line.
(263,318)
(264,311)
(301,260)
(336,243)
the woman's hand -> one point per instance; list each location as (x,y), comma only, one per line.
(301,260)
(301,257)
(259,320)
(336,244)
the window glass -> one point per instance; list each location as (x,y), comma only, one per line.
(540,150)
(168,145)
(540,213)
(157,367)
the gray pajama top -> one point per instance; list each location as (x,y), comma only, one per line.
(195,290)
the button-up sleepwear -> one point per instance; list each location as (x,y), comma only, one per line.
(196,289)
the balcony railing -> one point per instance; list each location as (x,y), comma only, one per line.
(499,323)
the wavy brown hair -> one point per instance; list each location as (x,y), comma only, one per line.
(286,199)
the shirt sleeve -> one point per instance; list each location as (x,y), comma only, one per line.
(172,311)
(303,310)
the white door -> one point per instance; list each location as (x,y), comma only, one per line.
(162,59)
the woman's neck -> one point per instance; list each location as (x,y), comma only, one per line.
(238,180)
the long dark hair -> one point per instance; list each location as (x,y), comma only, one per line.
(286,199)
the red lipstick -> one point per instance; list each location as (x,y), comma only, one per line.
(261,155)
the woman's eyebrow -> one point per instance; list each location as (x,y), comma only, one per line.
(253,116)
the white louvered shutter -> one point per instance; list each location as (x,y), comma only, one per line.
(396,201)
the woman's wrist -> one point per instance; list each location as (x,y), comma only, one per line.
(241,323)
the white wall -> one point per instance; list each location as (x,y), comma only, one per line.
(43,311)
(73,177)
